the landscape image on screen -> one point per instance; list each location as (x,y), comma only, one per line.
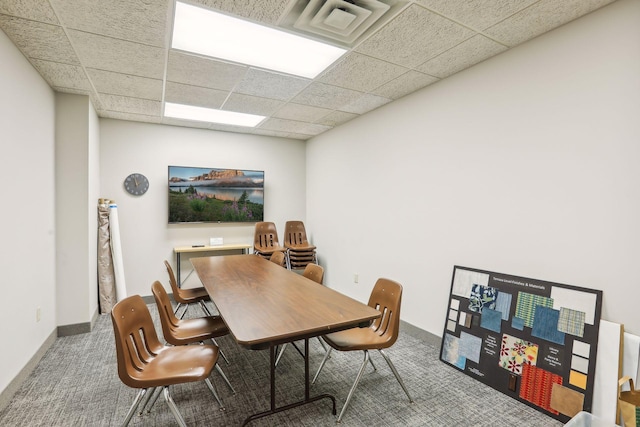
(215,195)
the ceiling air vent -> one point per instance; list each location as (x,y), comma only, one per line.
(343,21)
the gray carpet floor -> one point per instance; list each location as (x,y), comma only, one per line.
(76,384)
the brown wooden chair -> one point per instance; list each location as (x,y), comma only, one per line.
(386,297)
(145,364)
(279,258)
(312,272)
(265,240)
(188,331)
(299,251)
(186,296)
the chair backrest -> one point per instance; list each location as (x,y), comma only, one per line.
(265,236)
(177,296)
(295,234)
(168,319)
(386,297)
(278,257)
(314,272)
(136,340)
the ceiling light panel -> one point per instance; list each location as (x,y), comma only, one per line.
(210,115)
(212,34)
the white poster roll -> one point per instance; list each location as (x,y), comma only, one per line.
(116,251)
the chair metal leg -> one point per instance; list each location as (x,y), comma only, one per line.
(280,354)
(324,346)
(173,407)
(213,340)
(146,399)
(324,360)
(395,372)
(204,308)
(134,406)
(355,384)
(156,395)
(213,391)
(224,377)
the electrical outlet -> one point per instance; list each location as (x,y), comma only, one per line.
(38,314)
(355,277)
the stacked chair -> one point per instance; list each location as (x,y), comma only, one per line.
(299,251)
(265,240)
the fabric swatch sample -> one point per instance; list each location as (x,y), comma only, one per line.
(516,352)
(463,281)
(453,315)
(451,325)
(579,364)
(578,379)
(470,346)
(517,323)
(576,300)
(526,306)
(482,296)
(491,320)
(545,325)
(455,304)
(450,351)
(566,401)
(536,386)
(571,321)
(464,319)
(503,304)
(581,348)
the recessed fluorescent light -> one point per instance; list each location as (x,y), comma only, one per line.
(213,34)
(201,114)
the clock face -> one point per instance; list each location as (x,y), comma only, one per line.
(136,184)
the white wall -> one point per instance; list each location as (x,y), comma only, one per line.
(77,187)
(526,164)
(147,239)
(27,228)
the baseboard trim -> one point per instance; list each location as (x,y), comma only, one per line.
(78,328)
(7,394)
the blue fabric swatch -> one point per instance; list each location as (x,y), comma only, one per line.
(545,325)
(517,323)
(503,304)
(491,319)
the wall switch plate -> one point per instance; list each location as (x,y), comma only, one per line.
(215,241)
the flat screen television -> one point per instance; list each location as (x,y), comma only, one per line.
(215,195)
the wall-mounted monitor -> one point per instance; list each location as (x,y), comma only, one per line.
(199,194)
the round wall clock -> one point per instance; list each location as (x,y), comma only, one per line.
(136,184)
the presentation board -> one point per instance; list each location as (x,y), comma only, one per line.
(533,340)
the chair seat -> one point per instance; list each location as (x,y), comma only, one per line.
(357,339)
(269,251)
(304,248)
(191,295)
(197,329)
(175,365)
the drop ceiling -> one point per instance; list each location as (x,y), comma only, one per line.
(118,53)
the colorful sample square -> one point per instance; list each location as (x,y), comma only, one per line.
(576,300)
(450,351)
(566,401)
(491,320)
(545,325)
(503,304)
(578,379)
(571,321)
(516,352)
(517,323)
(482,296)
(470,346)
(536,386)
(526,306)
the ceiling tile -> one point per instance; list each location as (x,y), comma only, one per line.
(413,37)
(62,75)
(326,96)
(265,11)
(361,72)
(127,104)
(251,104)
(194,95)
(199,71)
(541,17)
(35,10)
(405,84)
(120,56)
(129,116)
(365,103)
(477,14)
(468,53)
(138,21)
(293,126)
(271,85)
(37,40)
(303,113)
(126,85)
(336,118)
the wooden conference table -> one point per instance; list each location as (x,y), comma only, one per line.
(265,305)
